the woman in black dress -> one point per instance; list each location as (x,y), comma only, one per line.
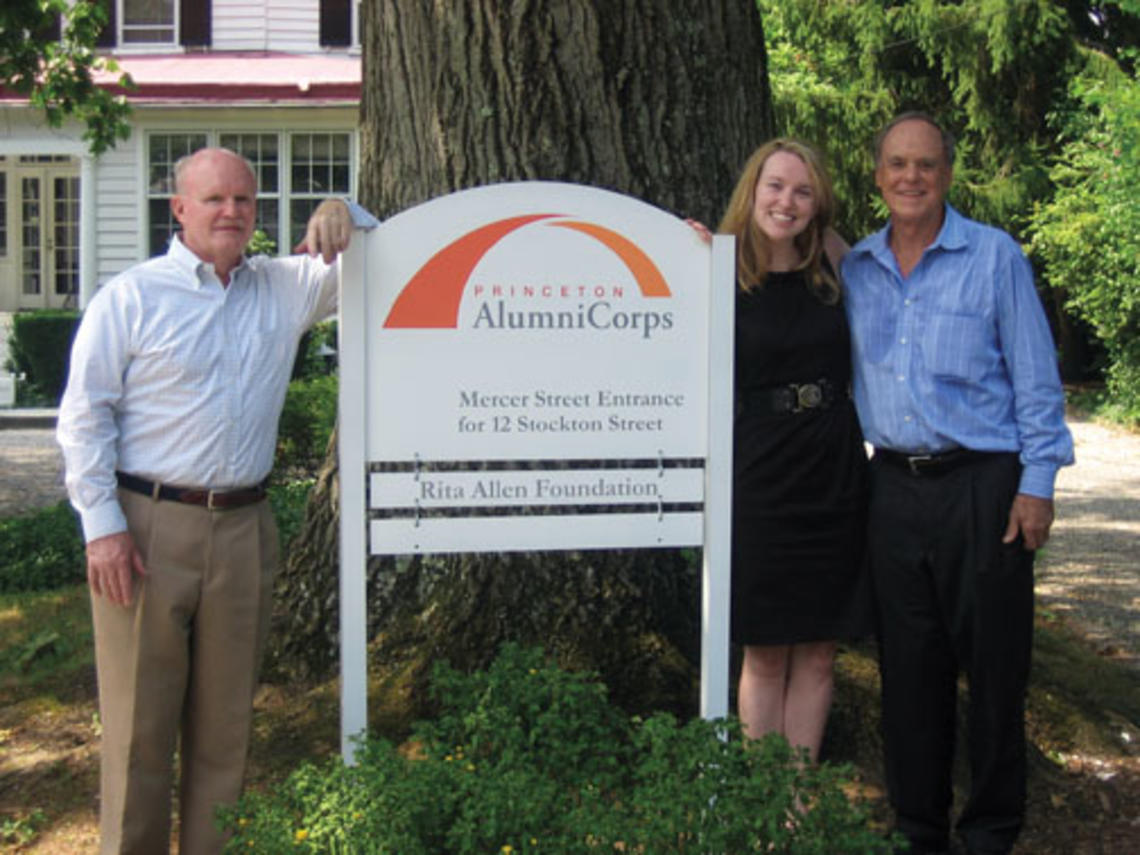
(799,460)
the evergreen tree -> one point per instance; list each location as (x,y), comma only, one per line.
(996,73)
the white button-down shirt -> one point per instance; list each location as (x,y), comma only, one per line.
(177,379)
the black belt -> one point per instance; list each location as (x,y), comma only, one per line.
(214,500)
(788,398)
(930,464)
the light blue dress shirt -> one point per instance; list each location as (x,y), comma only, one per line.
(958,353)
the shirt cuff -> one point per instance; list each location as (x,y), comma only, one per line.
(1037,480)
(102,520)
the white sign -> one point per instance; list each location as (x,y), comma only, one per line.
(535,366)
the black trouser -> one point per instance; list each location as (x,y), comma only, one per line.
(951,596)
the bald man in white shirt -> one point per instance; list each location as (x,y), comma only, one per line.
(168,428)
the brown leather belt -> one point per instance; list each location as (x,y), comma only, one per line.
(930,464)
(214,500)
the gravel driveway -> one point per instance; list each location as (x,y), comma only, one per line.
(1090,569)
(31,472)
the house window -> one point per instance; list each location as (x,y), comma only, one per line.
(319,169)
(261,151)
(163,151)
(44,158)
(32,267)
(338,23)
(295,172)
(65,243)
(148,22)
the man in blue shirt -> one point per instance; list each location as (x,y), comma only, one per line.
(956,385)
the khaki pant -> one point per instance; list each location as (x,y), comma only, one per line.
(181,660)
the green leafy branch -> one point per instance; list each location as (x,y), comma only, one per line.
(58,76)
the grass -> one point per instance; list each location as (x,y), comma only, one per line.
(1083,719)
(49,726)
(45,643)
(1078,699)
(1081,704)
(1083,723)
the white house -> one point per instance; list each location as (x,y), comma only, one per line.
(277,80)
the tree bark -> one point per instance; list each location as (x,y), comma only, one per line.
(659,99)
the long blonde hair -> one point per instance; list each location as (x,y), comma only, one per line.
(752,249)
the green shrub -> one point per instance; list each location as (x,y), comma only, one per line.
(41,550)
(288,501)
(260,243)
(1087,237)
(44,549)
(307,422)
(40,348)
(526,758)
(311,359)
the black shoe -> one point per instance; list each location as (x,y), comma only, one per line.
(970,850)
(909,847)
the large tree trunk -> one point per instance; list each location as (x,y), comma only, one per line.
(660,99)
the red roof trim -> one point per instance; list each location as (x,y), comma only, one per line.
(229,76)
(214,93)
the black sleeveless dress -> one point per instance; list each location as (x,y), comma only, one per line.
(799,502)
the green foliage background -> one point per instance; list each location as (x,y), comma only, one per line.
(57,76)
(1087,234)
(1041,96)
(309,414)
(41,550)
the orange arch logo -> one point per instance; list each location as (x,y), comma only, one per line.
(431,298)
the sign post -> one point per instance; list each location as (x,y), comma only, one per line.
(535,366)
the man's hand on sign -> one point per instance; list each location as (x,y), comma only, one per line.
(701,229)
(329,230)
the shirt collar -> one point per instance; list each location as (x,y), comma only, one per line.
(951,237)
(187,260)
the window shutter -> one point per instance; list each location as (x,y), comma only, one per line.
(194,23)
(336,23)
(106,37)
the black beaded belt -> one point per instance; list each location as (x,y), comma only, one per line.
(789,398)
(214,500)
(930,464)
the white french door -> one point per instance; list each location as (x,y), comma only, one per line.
(42,232)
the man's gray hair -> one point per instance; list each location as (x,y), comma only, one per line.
(180,166)
(914,115)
